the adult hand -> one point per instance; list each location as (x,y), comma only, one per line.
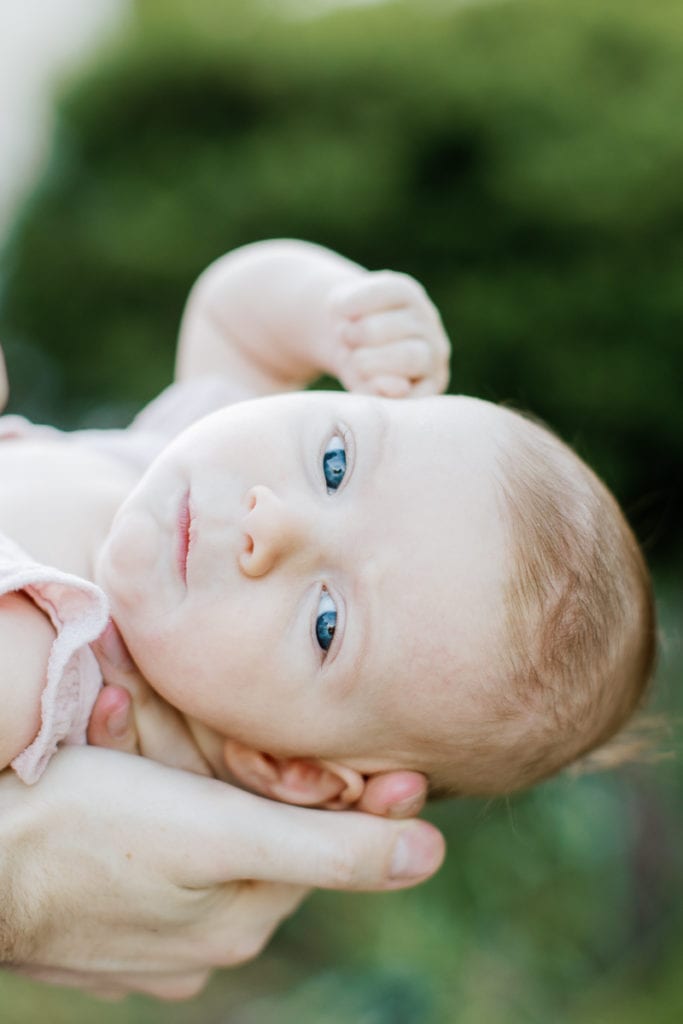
(131,718)
(118,874)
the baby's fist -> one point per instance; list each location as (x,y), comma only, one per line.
(389,339)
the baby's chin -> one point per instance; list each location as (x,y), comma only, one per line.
(127,559)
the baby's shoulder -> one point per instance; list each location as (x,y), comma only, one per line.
(57,498)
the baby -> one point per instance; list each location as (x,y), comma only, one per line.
(332,585)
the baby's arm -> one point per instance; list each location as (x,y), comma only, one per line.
(273,316)
(26,638)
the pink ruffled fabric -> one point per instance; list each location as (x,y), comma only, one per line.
(79,612)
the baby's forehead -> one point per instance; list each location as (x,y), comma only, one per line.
(438,562)
(461,426)
(448,447)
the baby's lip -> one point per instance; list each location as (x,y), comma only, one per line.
(184,527)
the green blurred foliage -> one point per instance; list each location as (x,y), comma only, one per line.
(524,160)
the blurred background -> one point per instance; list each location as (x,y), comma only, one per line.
(524,159)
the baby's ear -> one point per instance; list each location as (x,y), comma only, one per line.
(308,782)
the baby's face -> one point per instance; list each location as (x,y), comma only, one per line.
(318,574)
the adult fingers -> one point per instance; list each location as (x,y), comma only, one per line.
(153,730)
(277,842)
(239,933)
(113,986)
(112,723)
(172,986)
(199,833)
(394,794)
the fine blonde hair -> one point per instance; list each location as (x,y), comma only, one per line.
(578,646)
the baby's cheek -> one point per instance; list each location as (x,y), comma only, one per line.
(182,665)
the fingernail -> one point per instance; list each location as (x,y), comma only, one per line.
(418,852)
(117,723)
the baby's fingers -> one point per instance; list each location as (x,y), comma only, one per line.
(386,387)
(381,328)
(410,359)
(376,292)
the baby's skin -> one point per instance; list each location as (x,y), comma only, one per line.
(285,526)
(314,588)
(291,565)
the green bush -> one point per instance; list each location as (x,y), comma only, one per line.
(523,159)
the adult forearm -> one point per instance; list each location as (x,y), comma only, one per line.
(23,916)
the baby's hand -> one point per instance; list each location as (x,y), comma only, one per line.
(389,337)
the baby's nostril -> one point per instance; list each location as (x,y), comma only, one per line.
(252,501)
(248,544)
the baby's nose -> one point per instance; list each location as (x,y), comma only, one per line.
(272,531)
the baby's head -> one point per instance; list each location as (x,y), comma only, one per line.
(437,584)
(577,650)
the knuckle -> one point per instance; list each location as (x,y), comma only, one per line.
(412,287)
(386,277)
(354,331)
(399,283)
(341,867)
(399,277)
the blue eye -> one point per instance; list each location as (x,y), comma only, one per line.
(334,462)
(326,621)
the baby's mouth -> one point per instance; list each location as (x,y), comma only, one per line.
(184,524)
